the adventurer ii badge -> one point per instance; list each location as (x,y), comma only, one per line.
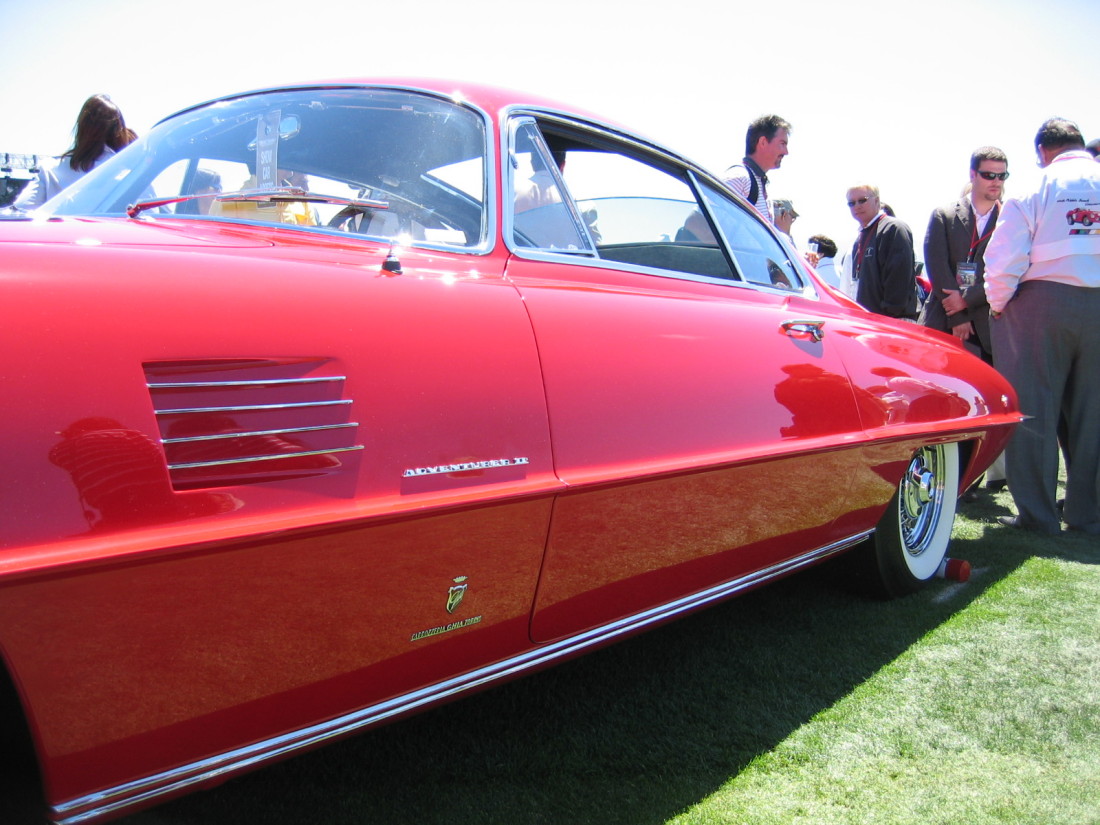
(456,594)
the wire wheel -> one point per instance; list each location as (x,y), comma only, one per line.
(921,498)
(912,536)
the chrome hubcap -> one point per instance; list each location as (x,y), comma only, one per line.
(921,499)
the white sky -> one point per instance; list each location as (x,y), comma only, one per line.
(896,94)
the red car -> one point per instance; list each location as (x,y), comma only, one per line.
(1083,216)
(326,404)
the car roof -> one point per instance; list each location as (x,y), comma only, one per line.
(494,101)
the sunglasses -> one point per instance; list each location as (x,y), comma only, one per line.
(994,175)
(861,201)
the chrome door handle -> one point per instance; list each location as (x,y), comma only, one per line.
(802,328)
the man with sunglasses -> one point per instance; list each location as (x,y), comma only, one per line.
(954,254)
(882,257)
(1042,279)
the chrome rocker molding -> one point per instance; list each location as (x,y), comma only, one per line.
(175,781)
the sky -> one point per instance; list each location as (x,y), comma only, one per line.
(896,94)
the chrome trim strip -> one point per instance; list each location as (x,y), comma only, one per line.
(174,781)
(251,459)
(252,407)
(251,433)
(260,382)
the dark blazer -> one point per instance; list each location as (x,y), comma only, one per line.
(947,243)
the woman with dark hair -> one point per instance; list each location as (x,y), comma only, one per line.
(100,132)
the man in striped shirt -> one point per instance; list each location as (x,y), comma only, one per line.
(765,148)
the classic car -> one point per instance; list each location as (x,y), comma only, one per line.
(329,403)
(1083,216)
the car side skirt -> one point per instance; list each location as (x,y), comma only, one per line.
(158,787)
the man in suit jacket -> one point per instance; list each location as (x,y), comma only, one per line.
(954,254)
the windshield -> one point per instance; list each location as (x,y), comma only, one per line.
(390,164)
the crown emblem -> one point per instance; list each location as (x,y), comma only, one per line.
(456,594)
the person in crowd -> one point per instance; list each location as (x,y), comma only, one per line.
(1094,148)
(206,182)
(1042,279)
(954,249)
(882,262)
(765,147)
(100,132)
(785,216)
(954,256)
(822,257)
(541,187)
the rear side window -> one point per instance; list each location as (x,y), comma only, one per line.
(639,213)
(760,258)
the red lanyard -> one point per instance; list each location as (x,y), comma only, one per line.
(864,238)
(975,241)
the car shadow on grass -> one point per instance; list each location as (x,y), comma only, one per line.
(632,734)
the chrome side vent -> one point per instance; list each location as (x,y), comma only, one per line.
(239,422)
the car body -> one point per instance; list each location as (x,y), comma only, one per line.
(395,413)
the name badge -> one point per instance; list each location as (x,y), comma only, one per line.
(966,275)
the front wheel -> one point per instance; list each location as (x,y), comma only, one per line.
(911,538)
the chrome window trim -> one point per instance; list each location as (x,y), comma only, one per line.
(172,782)
(671,274)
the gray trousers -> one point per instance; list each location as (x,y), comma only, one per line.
(1047,344)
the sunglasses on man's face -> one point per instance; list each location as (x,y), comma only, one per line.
(994,175)
(858,202)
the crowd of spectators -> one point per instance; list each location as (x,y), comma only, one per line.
(1017,282)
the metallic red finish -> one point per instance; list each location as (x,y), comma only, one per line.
(486,462)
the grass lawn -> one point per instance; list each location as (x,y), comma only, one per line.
(800,703)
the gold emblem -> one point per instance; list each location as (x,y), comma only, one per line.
(456,594)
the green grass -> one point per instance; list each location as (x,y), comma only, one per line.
(799,703)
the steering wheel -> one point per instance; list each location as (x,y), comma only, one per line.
(345,219)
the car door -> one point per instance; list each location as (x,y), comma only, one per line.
(166,597)
(697,419)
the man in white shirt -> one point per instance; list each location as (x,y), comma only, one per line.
(1042,280)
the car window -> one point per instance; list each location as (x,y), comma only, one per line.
(413,164)
(541,216)
(634,210)
(759,256)
(643,214)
